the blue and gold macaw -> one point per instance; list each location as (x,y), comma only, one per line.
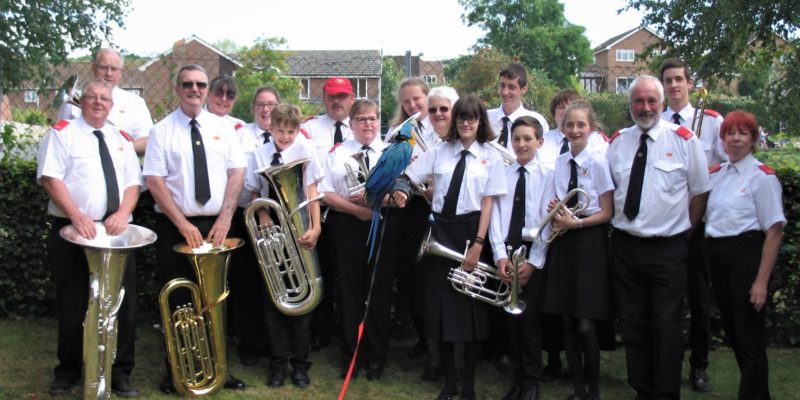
(391,164)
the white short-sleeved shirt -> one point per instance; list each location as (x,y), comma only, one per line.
(554,139)
(70,152)
(169,154)
(496,120)
(428,135)
(483,175)
(262,159)
(128,113)
(321,130)
(335,179)
(709,133)
(594,177)
(744,196)
(538,192)
(675,172)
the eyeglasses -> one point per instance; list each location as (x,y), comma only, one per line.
(268,106)
(441,109)
(107,68)
(365,120)
(470,119)
(93,98)
(190,84)
(225,93)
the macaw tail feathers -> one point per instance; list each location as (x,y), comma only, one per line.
(372,239)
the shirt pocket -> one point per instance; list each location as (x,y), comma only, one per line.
(216,152)
(476,175)
(669,176)
(621,171)
(83,161)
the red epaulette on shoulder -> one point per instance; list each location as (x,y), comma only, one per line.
(711,113)
(604,136)
(310,117)
(61,125)
(714,168)
(767,170)
(125,135)
(238,125)
(684,132)
(305,133)
(334,147)
(614,136)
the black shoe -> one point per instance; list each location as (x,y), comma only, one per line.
(248,359)
(61,386)
(431,374)
(166,385)
(121,386)
(531,393)
(235,384)
(700,381)
(300,378)
(513,393)
(374,372)
(319,343)
(276,377)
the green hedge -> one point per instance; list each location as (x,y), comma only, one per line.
(27,291)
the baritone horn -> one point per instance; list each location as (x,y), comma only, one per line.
(195,332)
(699,111)
(560,209)
(291,272)
(106,256)
(515,305)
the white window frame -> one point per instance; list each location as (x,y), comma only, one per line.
(624,89)
(31,96)
(430,79)
(360,87)
(305,88)
(625,55)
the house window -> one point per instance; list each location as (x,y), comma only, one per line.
(430,79)
(625,55)
(624,84)
(305,88)
(31,96)
(360,87)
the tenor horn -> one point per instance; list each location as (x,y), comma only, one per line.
(195,332)
(560,209)
(291,272)
(106,256)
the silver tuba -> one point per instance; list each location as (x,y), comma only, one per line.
(106,256)
(291,272)
(515,305)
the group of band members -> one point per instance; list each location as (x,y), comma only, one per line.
(200,166)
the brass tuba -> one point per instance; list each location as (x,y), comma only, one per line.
(106,256)
(560,208)
(291,272)
(195,332)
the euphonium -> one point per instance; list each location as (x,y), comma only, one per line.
(195,332)
(699,111)
(476,283)
(106,256)
(291,272)
(515,305)
(536,233)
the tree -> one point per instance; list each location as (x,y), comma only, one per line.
(34,35)
(535,32)
(721,41)
(390,79)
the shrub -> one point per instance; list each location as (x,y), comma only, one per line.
(30,116)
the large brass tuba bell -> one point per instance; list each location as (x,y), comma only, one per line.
(195,333)
(291,272)
(106,256)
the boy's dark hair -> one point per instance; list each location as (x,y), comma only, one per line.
(527,120)
(670,63)
(515,71)
(286,114)
(562,97)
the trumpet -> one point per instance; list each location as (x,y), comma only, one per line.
(106,256)
(699,111)
(508,156)
(292,273)
(357,179)
(559,209)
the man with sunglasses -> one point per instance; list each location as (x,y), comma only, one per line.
(194,168)
(129,112)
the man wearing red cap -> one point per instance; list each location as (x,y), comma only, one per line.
(333,127)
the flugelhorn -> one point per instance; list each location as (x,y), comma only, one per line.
(560,208)
(195,333)
(291,272)
(515,305)
(477,283)
(106,256)
(699,111)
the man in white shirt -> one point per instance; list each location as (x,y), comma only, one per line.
(333,127)
(513,85)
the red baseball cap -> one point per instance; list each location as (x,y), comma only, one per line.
(337,85)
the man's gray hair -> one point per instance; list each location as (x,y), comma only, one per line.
(642,78)
(109,50)
(189,67)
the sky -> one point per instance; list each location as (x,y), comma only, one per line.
(432,28)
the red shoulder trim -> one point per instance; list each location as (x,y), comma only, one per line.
(604,136)
(334,147)
(684,132)
(614,136)
(61,125)
(714,168)
(711,113)
(125,135)
(310,117)
(305,133)
(238,125)
(767,170)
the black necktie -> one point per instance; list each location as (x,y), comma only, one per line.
(676,118)
(503,141)
(276,158)
(365,149)
(573,182)
(517,212)
(564,146)
(337,135)
(451,198)
(634,196)
(266,136)
(110,175)
(202,191)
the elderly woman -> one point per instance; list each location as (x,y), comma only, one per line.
(221,97)
(440,107)
(744,223)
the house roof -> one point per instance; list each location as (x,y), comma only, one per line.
(608,44)
(193,38)
(325,63)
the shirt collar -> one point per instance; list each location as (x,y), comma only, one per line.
(744,164)
(474,148)
(184,119)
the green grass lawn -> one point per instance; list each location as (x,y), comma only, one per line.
(27,356)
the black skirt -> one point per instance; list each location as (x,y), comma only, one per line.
(449,315)
(577,281)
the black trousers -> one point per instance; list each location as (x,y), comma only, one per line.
(734,265)
(698,295)
(649,276)
(324,322)
(289,339)
(525,334)
(70,274)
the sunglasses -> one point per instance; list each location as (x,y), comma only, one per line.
(190,84)
(226,94)
(441,109)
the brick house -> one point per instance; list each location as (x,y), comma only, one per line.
(617,61)
(430,71)
(313,67)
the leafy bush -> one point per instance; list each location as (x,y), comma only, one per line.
(30,116)
(611,110)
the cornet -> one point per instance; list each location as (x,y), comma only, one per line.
(559,209)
